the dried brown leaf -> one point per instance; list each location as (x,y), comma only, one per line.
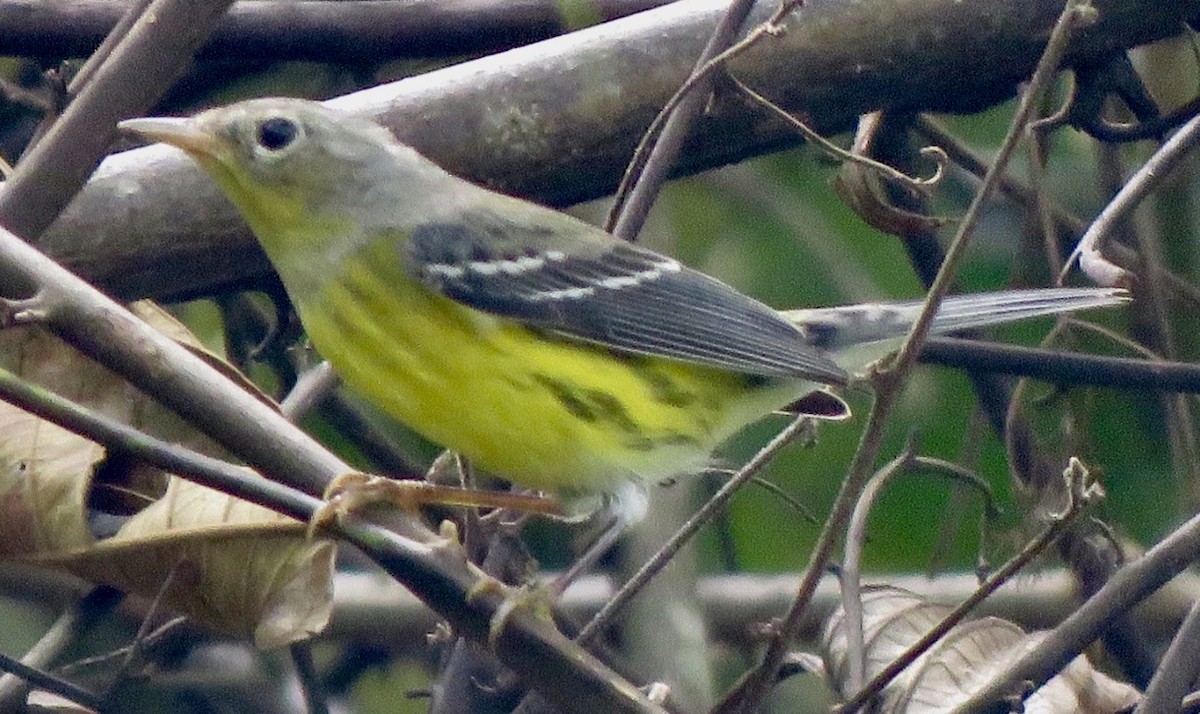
(959,663)
(236,566)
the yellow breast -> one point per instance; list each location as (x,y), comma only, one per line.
(544,411)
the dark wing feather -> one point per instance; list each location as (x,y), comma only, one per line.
(570,278)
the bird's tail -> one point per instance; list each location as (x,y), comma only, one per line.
(837,329)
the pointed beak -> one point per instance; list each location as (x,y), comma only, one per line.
(181,133)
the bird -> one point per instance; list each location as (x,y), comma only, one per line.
(540,347)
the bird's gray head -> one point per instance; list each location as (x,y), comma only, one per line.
(313,183)
(274,151)
(298,146)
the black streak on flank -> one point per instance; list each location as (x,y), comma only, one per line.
(566,396)
(612,410)
(663,389)
(594,405)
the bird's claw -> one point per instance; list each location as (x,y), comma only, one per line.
(532,597)
(354,491)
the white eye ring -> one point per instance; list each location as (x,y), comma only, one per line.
(276,134)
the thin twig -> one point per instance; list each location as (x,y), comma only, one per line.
(1075,12)
(1144,180)
(786,498)
(115,657)
(1043,205)
(1080,494)
(1128,586)
(916,183)
(50,683)
(937,134)
(95,60)
(309,678)
(312,387)
(856,535)
(59,638)
(1178,669)
(629,212)
(202,469)
(1157,329)
(714,506)
(1065,368)
(747,695)
(700,76)
(851,580)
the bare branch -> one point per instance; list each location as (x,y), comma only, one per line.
(556,121)
(370,31)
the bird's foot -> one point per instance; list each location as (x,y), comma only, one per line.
(352,492)
(532,597)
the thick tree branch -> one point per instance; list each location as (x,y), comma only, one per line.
(556,121)
(358,31)
(142,66)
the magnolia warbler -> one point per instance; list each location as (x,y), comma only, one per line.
(540,347)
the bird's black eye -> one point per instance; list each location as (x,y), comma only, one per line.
(275,134)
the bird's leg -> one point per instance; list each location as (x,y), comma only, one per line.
(352,492)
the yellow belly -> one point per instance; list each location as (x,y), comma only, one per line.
(548,413)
